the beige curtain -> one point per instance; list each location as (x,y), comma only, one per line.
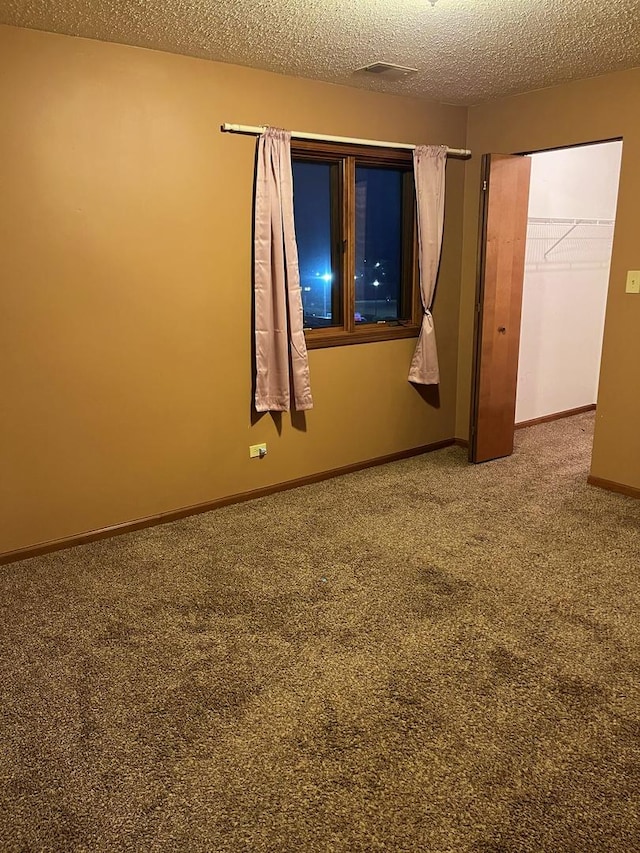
(428,168)
(281,351)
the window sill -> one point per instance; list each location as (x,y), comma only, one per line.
(320,338)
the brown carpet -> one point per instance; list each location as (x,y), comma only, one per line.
(426,656)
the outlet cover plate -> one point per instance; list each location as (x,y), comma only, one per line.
(254,450)
(633,281)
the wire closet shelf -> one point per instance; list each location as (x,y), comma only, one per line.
(569,243)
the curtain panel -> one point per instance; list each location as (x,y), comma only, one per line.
(429,163)
(281,350)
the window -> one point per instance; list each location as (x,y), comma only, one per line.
(354,210)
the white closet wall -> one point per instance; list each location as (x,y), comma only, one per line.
(566,277)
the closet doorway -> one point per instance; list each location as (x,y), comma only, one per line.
(571,218)
(547,224)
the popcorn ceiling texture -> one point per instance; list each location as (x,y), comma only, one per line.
(466,51)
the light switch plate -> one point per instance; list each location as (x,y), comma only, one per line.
(633,281)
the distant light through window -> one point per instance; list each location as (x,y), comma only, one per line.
(378,239)
(312,212)
(354,214)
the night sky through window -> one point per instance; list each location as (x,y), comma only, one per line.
(378,239)
(312,213)
(378,243)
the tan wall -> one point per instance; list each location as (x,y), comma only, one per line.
(589,110)
(125,229)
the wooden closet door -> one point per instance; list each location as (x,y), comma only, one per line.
(502,243)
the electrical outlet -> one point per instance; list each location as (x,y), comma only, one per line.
(258,451)
(633,281)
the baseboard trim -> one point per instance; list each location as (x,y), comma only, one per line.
(612,486)
(556,416)
(197,509)
(461,442)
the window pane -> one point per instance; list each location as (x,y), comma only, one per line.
(312,213)
(378,271)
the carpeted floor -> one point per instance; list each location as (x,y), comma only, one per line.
(426,656)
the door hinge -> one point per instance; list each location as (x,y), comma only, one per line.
(484,186)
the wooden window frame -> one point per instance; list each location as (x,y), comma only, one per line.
(344,159)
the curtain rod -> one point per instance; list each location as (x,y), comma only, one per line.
(321,137)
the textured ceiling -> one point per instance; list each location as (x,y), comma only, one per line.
(465,51)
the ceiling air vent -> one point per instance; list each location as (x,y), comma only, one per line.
(388,71)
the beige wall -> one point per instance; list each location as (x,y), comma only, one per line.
(125,231)
(589,110)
